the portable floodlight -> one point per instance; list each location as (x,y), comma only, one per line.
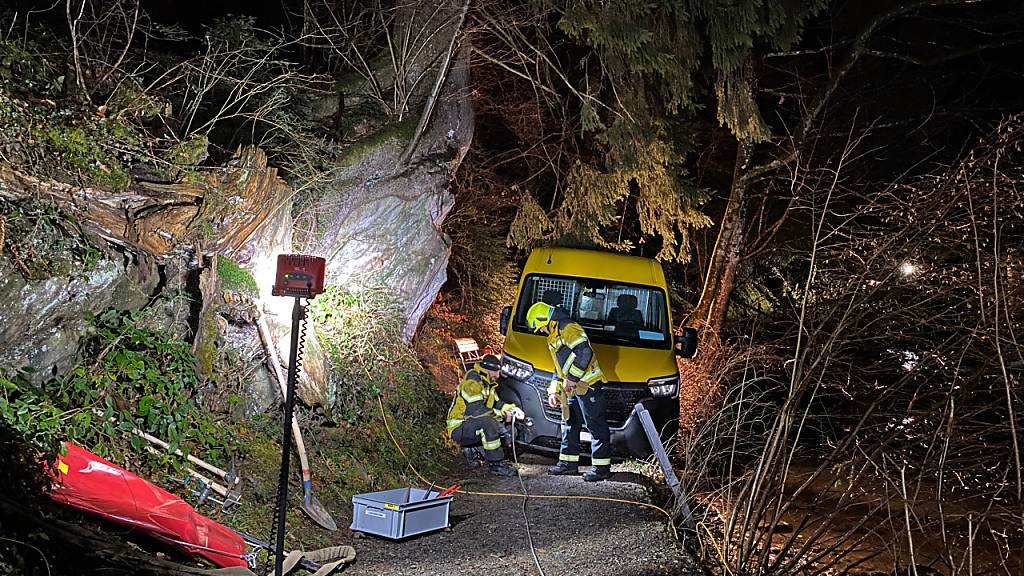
(299,275)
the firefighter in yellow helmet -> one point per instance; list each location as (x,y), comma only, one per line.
(473,419)
(577,382)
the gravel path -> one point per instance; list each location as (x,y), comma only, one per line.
(579,537)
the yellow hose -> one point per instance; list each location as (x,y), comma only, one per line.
(408,461)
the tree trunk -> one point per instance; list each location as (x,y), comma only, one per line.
(710,312)
(231,203)
(204,345)
(700,378)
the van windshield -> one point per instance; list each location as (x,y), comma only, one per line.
(610,312)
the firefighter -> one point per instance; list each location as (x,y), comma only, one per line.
(474,419)
(577,386)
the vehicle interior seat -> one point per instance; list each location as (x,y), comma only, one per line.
(626,318)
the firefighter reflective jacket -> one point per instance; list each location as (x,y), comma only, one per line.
(476,397)
(572,354)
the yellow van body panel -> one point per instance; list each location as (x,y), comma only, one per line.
(619,363)
(593,264)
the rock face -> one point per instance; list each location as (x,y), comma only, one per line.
(380,222)
(383,223)
(261,389)
(41,322)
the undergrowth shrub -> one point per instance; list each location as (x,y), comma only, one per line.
(362,335)
(129,377)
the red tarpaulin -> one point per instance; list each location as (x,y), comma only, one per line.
(90,483)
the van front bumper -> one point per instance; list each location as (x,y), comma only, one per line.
(542,430)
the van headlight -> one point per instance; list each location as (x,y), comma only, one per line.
(661,387)
(516,368)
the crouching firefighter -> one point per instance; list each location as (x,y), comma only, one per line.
(474,420)
(577,387)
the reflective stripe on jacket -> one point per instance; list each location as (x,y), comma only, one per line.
(475,397)
(573,357)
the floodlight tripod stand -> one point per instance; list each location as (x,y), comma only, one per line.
(298,337)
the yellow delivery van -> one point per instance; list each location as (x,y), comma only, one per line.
(622,303)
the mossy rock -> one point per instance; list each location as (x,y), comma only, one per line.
(394,132)
(190,152)
(235,278)
(79,149)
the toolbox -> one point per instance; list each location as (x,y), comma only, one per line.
(400,513)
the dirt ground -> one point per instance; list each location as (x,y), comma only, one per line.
(488,534)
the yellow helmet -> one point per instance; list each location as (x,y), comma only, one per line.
(538,315)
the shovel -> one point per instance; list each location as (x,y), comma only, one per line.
(310,505)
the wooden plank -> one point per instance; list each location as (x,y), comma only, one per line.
(466,345)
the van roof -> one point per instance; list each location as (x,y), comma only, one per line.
(595,264)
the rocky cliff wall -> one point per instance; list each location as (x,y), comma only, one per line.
(42,321)
(383,218)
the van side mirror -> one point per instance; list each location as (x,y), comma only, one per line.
(506,314)
(686,344)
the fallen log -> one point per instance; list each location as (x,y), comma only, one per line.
(220,208)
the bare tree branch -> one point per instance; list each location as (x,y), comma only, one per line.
(442,75)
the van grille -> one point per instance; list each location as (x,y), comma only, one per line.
(540,381)
(620,398)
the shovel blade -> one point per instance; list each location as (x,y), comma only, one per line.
(317,513)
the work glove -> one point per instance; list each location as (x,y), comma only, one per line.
(553,400)
(517,413)
(569,386)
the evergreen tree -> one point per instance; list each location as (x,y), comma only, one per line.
(646,67)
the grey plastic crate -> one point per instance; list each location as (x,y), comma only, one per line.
(399,513)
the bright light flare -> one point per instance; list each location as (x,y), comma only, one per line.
(908,268)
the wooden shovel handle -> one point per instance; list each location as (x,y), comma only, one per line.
(282,380)
(154,440)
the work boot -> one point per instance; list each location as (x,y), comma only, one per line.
(564,468)
(474,457)
(501,468)
(597,474)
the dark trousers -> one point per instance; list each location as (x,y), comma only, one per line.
(483,431)
(588,409)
